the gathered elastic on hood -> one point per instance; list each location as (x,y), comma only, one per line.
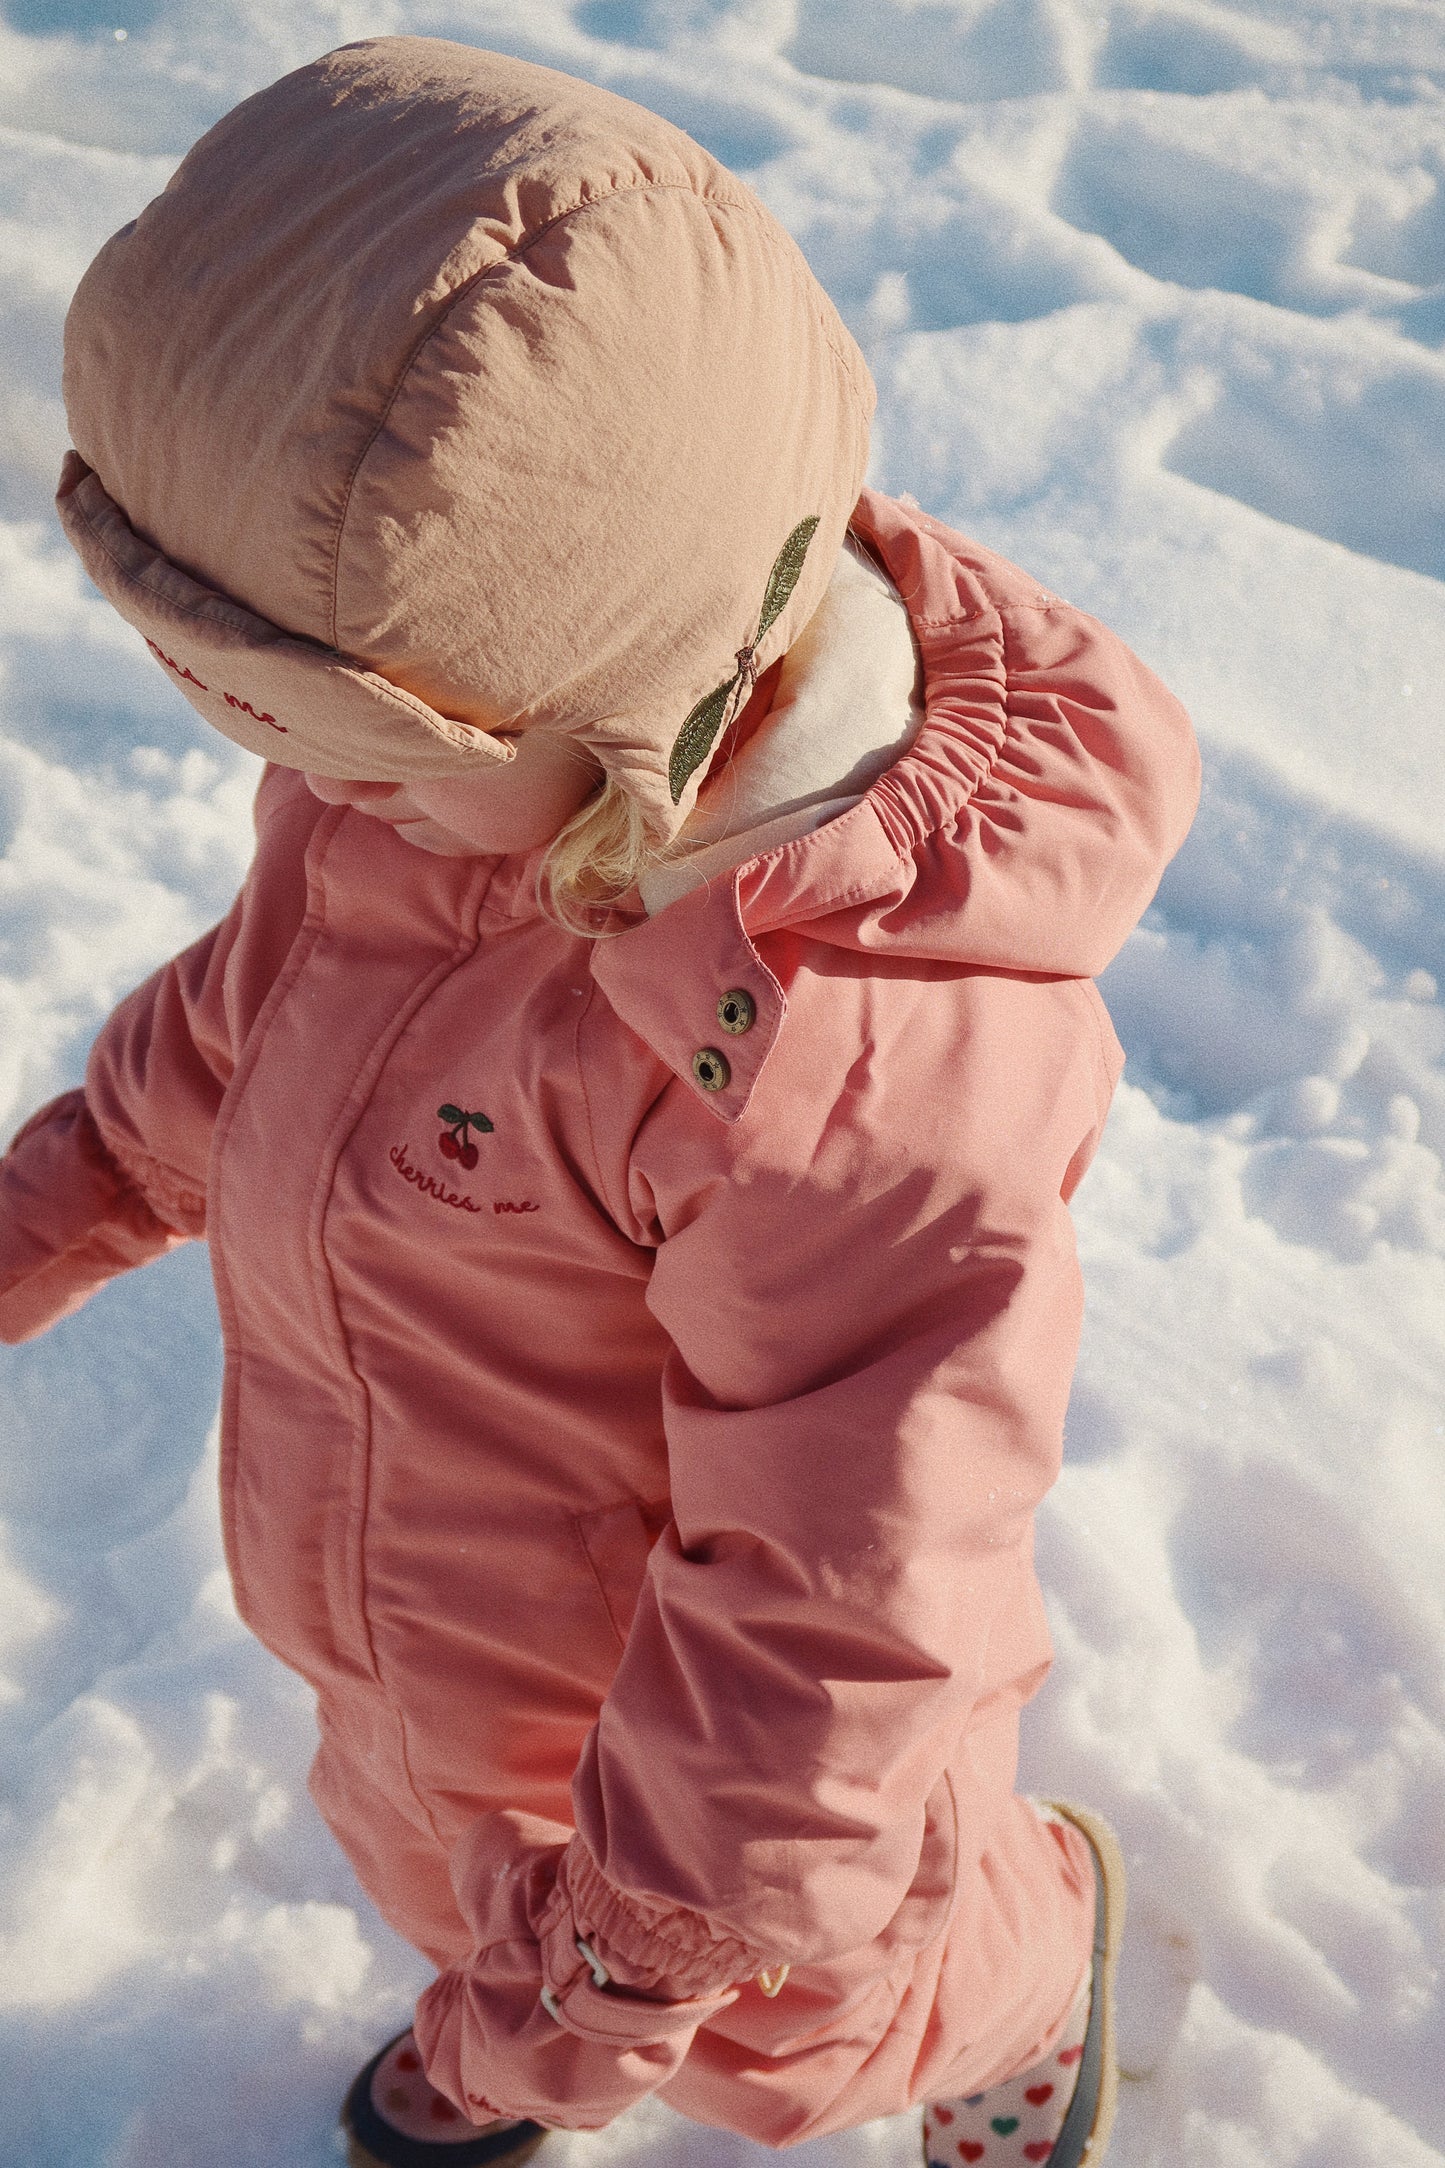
(1024,827)
(439,397)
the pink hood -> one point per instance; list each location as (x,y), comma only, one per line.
(1024,830)
(1026,827)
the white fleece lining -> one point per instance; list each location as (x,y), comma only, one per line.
(849,701)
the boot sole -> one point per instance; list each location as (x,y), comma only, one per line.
(371,2143)
(1083,2147)
(357,2155)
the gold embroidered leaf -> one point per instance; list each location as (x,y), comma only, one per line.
(783,578)
(695,739)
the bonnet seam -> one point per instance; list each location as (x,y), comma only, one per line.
(518,249)
(783,242)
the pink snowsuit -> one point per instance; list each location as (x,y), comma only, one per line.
(650,1503)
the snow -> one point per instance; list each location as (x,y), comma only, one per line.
(1155,295)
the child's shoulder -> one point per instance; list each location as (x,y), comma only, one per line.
(945,574)
(1007,585)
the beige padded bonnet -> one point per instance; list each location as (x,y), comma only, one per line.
(441,395)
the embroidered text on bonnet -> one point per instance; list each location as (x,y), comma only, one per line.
(441,395)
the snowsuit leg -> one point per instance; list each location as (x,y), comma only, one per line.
(880,2030)
(402,1868)
(968,1985)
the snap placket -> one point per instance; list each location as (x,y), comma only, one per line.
(737,1011)
(697,951)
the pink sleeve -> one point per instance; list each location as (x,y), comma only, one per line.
(69,1220)
(874,1308)
(874,1324)
(108,1178)
(111,1177)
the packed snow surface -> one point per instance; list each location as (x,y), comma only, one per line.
(1154,291)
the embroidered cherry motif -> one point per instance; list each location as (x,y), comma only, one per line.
(454,1143)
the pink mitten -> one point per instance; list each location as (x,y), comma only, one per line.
(490,2040)
(69,1220)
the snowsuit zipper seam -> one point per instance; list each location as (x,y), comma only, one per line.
(352,1111)
(359,1503)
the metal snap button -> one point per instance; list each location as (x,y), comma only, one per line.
(711,1069)
(737,1011)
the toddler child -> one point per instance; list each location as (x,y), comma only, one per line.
(632,1105)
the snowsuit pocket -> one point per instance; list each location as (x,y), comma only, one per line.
(617,1541)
